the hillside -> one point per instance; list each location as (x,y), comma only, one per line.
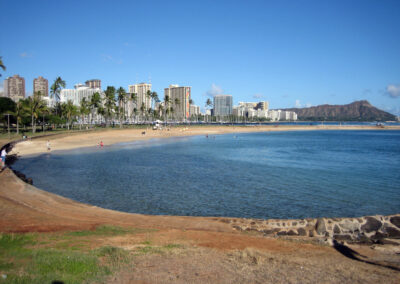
(356,111)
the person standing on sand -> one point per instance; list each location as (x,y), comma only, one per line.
(101,144)
(3,158)
(48,145)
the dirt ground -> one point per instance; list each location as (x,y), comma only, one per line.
(204,250)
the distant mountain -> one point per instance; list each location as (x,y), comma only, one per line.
(356,111)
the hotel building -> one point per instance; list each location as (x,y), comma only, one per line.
(141,91)
(14,88)
(94,83)
(223,105)
(183,94)
(41,85)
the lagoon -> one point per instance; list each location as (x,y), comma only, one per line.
(291,174)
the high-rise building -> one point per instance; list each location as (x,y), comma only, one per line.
(79,92)
(194,110)
(14,88)
(141,96)
(93,83)
(223,105)
(41,85)
(180,100)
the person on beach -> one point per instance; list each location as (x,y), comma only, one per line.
(3,158)
(101,144)
(48,145)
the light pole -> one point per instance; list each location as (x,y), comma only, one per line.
(8,126)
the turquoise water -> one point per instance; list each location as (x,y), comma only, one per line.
(259,175)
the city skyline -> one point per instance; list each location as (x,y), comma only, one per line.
(288,53)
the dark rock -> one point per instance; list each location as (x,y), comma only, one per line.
(392,232)
(389,242)
(302,232)
(379,236)
(237,227)
(302,222)
(343,237)
(364,239)
(395,220)
(270,232)
(29,180)
(294,223)
(253,223)
(371,225)
(282,233)
(292,233)
(311,233)
(320,226)
(336,229)
(283,224)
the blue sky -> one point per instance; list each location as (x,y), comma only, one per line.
(287,52)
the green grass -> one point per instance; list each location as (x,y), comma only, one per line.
(109,231)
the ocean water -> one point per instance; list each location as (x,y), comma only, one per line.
(295,174)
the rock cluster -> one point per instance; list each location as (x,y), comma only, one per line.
(370,229)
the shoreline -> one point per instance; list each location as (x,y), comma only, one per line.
(114,136)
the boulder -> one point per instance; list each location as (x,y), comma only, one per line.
(336,230)
(395,220)
(302,232)
(392,232)
(343,237)
(371,225)
(349,226)
(320,226)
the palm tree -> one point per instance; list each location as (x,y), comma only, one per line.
(95,102)
(167,102)
(55,89)
(2,66)
(208,103)
(84,110)
(121,104)
(69,111)
(35,106)
(109,103)
(133,98)
(142,109)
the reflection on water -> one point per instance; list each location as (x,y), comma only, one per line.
(259,175)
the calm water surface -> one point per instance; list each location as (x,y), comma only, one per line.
(259,175)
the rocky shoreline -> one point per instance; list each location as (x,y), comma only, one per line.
(368,230)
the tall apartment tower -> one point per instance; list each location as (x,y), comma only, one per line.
(181,110)
(41,85)
(14,88)
(141,92)
(223,105)
(93,83)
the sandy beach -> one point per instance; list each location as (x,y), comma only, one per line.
(213,250)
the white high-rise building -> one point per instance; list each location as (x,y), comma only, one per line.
(223,105)
(79,92)
(180,100)
(141,98)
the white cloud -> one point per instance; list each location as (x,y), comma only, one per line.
(297,103)
(25,54)
(308,104)
(393,91)
(109,58)
(257,96)
(214,90)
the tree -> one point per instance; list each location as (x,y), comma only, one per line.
(69,111)
(208,103)
(133,98)
(95,103)
(2,66)
(84,110)
(142,110)
(167,103)
(55,89)
(109,104)
(121,104)
(35,106)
